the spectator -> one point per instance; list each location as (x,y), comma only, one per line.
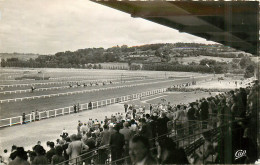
(58,158)
(105,139)
(204,113)
(51,152)
(21,157)
(90,142)
(75,108)
(84,128)
(191,117)
(125,106)
(65,147)
(13,152)
(90,104)
(37,115)
(23,117)
(170,154)
(117,142)
(139,151)
(40,159)
(162,126)
(127,135)
(106,120)
(75,148)
(146,130)
(151,108)
(64,133)
(134,112)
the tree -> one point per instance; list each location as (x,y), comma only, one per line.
(249,72)
(244,62)
(3,63)
(157,53)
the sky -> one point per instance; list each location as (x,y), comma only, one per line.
(51,26)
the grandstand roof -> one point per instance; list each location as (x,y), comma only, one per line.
(231,23)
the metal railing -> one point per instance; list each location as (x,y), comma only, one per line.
(182,141)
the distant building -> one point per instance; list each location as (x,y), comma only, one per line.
(114,65)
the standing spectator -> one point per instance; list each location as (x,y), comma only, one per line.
(36,115)
(90,105)
(116,143)
(40,159)
(64,133)
(105,139)
(65,147)
(79,127)
(170,154)
(134,112)
(21,157)
(146,130)
(179,119)
(162,129)
(151,108)
(204,114)
(191,117)
(75,108)
(133,127)
(106,120)
(23,117)
(58,158)
(90,142)
(139,151)
(13,152)
(84,128)
(125,106)
(51,152)
(127,135)
(75,148)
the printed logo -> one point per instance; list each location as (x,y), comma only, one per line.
(239,154)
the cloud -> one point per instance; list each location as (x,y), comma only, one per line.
(47,26)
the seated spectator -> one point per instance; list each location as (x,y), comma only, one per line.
(139,151)
(58,158)
(21,157)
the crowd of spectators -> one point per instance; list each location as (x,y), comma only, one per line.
(146,138)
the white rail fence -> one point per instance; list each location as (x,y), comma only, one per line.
(18,120)
(66,82)
(61,87)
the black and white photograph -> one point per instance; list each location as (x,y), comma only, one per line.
(129,82)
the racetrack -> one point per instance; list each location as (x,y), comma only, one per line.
(12,109)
